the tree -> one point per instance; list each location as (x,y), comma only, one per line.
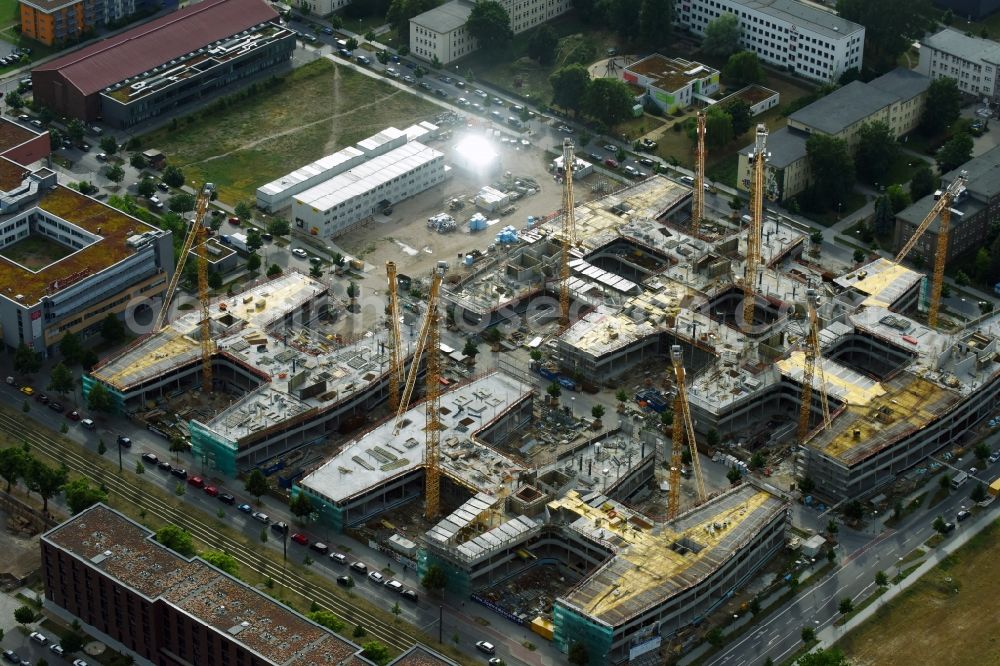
(254,241)
(13,464)
(173,176)
(146,187)
(542,44)
(326,619)
(137,160)
(754,606)
(554,390)
(718,127)
(875,152)
(569,85)
(829,657)
(807,485)
(883,219)
(81,495)
(831,526)
(743,68)
(621,396)
(61,380)
(470,349)
(399,14)
(375,650)
(578,654)
(99,399)
(244,211)
(253,262)
(176,539)
(71,642)
(739,113)
(832,170)
(845,606)
(881,579)
(962,279)
(214,280)
(102,448)
(923,182)
(26,360)
(434,579)
(112,329)
(24,615)
(734,475)
(15,101)
(808,634)
(256,484)
(956,152)
(74,129)
(655,19)
(898,198)
(45,480)
(859,256)
(140,469)
(735,203)
(757,460)
(181,203)
(598,411)
(943,105)
(70,348)
(978,493)
(489,24)
(315,272)
(115,173)
(278,226)
(301,506)
(273,270)
(109,144)
(223,561)
(608,100)
(396,610)
(890,27)
(352,293)
(722,36)
(177,445)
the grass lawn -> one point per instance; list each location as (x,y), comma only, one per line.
(10,13)
(902,169)
(633,128)
(35,252)
(317,110)
(724,170)
(829,218)
(932,621)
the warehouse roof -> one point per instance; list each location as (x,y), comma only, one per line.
(843,107)
(904,83)
(140,49)
(961,45)
(805,16)
(445,18)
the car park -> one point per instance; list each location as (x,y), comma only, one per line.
(360,567)
(179,472)
(363,60)
(376,577)
(486,646)
(394,585)
(345,581)
(409,80)
(300,539)
(150,458)
(226,498)
(261,517)
(613,164)
(245,508)
(339,558)
(440,93)
(344,53)
(410,594)
(124,441)
(424,85)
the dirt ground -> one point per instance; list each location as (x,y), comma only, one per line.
(21,554)
(403,237)
(948,617)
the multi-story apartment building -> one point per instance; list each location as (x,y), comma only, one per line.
(58,21)
(319,7)
(973,62)
(806,40)
(441,33)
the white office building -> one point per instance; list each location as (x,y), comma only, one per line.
(441,32)
(319,7)
(973,62)
(808,41)
(339,203)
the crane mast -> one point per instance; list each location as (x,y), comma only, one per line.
(698,196)
(758,161)
(813,358)
(422,343)
(940,210)
(192,235)
(432,405)
(677,357)
(396,341)
(207,342)
(568,231)
(674,500)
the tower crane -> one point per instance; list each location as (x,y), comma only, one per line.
(698,197)
(940,210)
(192,235)
(676,460)
(423,342)
(677,357)
(568,231)
(432,406)
(396,341)
(758,162)
(813,358)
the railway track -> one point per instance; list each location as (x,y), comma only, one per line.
(393,637)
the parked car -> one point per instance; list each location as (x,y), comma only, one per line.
(344,53)
(261,517)
(394,585)
(42,398)
(55,648)
(164,465)
(211,491)
(150,458)
(360,567)
(300,539)
(363,60)
(339,558)
(11,656)
(281,528)
(345,581)
(300,253)
(486,646)
(179,472)
(226,498)
(88,424)
(196,481)
(964,514)
(56,407)
(124,441)
(376,577)
(320,548)
(38,638)
(245,508)
(74,416)
(411,595)
(27,390)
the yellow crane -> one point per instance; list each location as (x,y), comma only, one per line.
(940,210)
(676,460)
(432,406)
(698,196)
(421,347)
(568,231)
(758,162)
(813,357)
(677,358)
(193,233)
(396,337)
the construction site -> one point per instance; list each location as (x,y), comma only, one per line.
(746,344)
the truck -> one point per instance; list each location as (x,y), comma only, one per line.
(652,399)
(236,241)
(994,488)
(959,479)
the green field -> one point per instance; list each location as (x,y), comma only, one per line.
(35,252)
(947,617)
(314,111)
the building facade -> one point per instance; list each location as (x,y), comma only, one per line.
(671,83)
(159,66)
(973,62)
(59,21)
(441,33)
(803,39)
(319,7)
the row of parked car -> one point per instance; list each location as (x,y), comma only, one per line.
(12,657)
